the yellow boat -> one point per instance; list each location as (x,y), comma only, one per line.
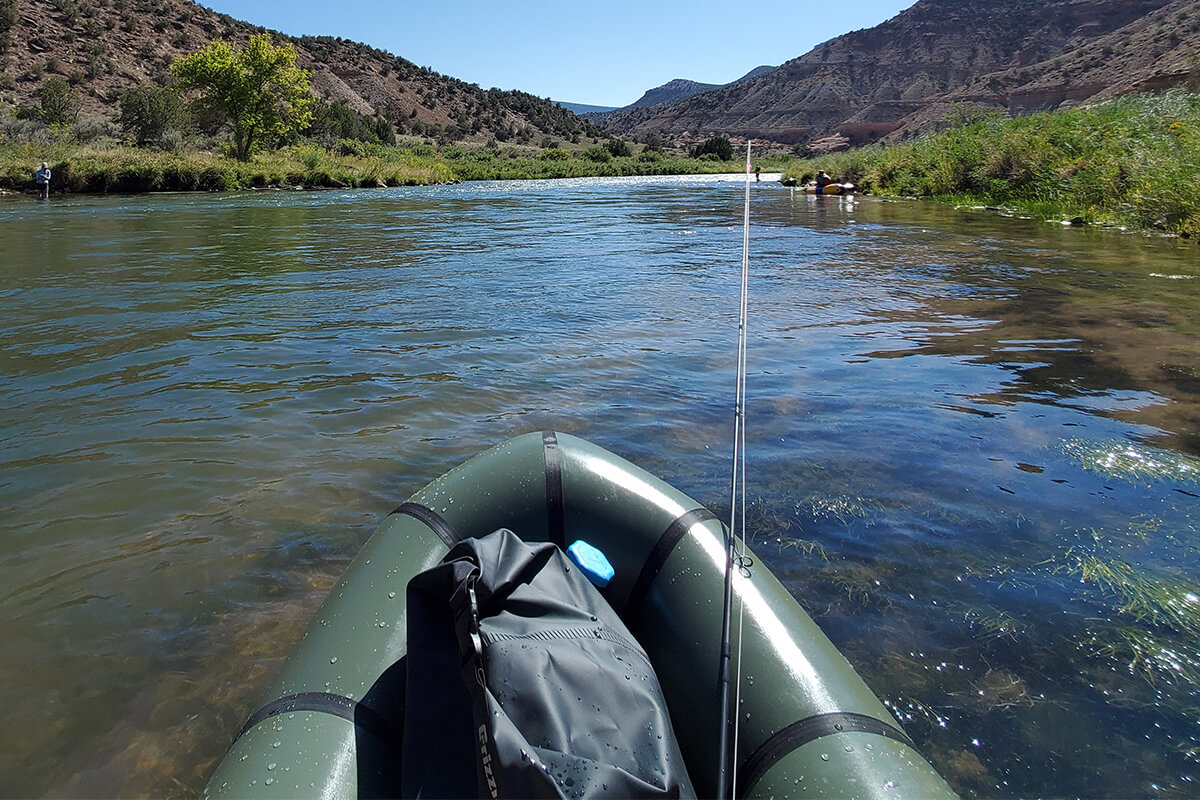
(829,188)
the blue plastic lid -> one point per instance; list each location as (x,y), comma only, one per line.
(592,562)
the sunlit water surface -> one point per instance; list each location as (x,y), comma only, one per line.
(972,447)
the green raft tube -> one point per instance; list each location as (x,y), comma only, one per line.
(809,726)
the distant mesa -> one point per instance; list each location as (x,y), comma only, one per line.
(584,108)
(672,93)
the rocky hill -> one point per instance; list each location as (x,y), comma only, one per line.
(103,47)
(899,78)
(672,93)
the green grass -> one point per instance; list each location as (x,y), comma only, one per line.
(1133,162)
(128,169)
(120,168)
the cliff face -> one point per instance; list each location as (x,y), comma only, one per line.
(898,78)
(103,47)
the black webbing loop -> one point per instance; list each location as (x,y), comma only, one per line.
(555,507)
(658,556)
(432,520)
(801,732)
(327,703)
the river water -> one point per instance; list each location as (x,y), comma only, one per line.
(974,446)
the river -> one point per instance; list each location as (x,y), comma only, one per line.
(973,446)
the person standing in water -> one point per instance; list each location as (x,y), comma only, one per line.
(42,177)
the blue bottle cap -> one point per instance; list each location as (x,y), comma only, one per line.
(592,562)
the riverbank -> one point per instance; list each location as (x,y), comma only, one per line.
(1132,162)
(123,169)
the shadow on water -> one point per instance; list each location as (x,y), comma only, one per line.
(973,448)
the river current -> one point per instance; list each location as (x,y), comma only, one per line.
(973,446)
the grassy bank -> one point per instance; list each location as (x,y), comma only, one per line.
(117,168)
(1133,162)
(110,167)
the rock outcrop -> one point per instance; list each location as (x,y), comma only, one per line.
(910,73)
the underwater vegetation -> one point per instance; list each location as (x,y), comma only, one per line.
(1132,462)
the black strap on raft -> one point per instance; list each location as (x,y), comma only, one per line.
(801,732)
(327,703)
(555,506)
(658,556)
(432,520)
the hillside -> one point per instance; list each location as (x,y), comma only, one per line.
(672,93)
(103,47)
(900,78)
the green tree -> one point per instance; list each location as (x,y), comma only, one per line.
(149,111)
(598,154)
(618,147)
(59,102)
(258,91)
(719,146)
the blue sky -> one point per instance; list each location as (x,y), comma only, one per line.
(601,53)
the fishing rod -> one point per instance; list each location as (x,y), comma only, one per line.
(738,480)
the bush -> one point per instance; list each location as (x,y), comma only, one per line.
(600,155)
(618,147)
(58,102)
(718,146)
(148,111)
(554,154)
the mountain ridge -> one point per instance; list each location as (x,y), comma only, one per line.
(897,79)
(103,47)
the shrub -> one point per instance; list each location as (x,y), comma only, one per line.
(718,146)
(618,147)
(554,154)
(148,111)
(598,154)
(58,102)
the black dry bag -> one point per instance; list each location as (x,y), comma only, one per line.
(523,682)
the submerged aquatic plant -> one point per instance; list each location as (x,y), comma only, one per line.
(806,546)
(863,583)
(1149,655)
(1172,604)
(1132,462)
(989,623)
(999,689)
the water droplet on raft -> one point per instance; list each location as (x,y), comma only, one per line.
(276,744)
(824,756)
(333,660)
(887,787)
(269,781)
(391,595)
(271,766)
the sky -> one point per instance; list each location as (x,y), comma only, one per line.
(600,53)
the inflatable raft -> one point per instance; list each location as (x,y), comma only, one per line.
(831,188)
(331,724)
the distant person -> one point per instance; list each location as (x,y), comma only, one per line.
(756,170)
(823,180)
(42,177)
